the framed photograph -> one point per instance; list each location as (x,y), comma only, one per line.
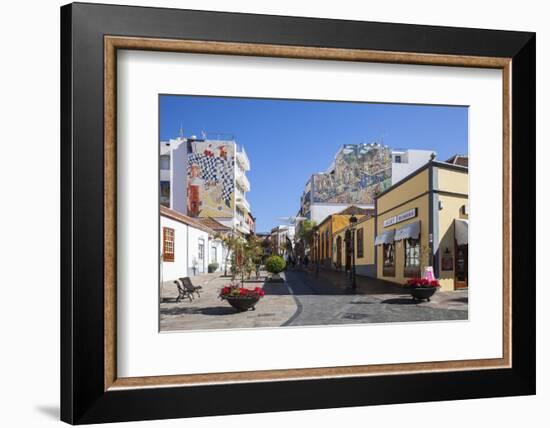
(267,213)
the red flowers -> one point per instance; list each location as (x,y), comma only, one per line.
(236,291)
(422,282)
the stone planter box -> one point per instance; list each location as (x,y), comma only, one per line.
(276,278)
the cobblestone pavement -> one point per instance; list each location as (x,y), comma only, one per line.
(305,299)
(209,312)
(327,300)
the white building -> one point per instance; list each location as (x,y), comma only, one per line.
(280,236)
(187,246)
(405,161)
(205,178)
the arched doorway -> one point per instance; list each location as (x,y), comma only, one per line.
(348,249)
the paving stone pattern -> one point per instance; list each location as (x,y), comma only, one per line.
(306,299)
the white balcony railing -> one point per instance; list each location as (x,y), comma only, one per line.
(243,182)
(243,227)
(242,158)
(243,203)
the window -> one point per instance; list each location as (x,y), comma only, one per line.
(388,268)
(412,257)
(168,244)
(214,254)
(360,243)
(165,193)
(201,249)
(165,162)
(397,159)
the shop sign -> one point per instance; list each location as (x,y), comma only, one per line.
(400,217)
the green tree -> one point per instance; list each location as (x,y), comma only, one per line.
(305,232)
(245,255)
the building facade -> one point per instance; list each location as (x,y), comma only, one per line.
(187,246)
(365,262)
(280,237)
(206,178)
(357,174)
(420,221)
(324,237)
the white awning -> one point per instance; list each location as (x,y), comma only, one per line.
(411,230)
(461,231)
(385,237)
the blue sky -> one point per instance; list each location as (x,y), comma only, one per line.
(288,140)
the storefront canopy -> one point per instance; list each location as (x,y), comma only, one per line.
(385,237)
(410,231)
(461,231)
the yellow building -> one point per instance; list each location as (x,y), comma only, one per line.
(323,242)
(365,262)
(423,221)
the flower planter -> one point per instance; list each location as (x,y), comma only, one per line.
(242,303)
(422,293)
(276,278)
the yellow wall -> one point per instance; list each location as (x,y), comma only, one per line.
(422,205)
(452,181)
(452,208)
(368,242)
(409,189)
(336,222)
(341,233)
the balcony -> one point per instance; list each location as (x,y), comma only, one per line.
(243,160)
(242,180)
(243,227)
(242,203)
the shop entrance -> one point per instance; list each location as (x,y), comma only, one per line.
(347,241)
(461,266)
(339,252)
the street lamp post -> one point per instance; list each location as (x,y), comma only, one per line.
(317,253)
(353,224)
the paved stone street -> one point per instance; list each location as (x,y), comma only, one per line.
(209,312)
(305,299)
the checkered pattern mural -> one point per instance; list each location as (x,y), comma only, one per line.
(214,169)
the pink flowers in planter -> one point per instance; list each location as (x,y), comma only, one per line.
(422,283)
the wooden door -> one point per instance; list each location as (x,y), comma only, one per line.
(461,266)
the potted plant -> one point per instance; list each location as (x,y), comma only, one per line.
(275,265)
(242,299)
(213,267)
(422,288)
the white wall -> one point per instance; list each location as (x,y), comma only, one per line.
(196,236)
(186,250)
(177,268)
(178,185)
(218,255)
(31,325)
(414,160)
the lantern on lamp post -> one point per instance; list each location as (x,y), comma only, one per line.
(352,226)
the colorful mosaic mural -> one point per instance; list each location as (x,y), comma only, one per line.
(210,172)
(359,172)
